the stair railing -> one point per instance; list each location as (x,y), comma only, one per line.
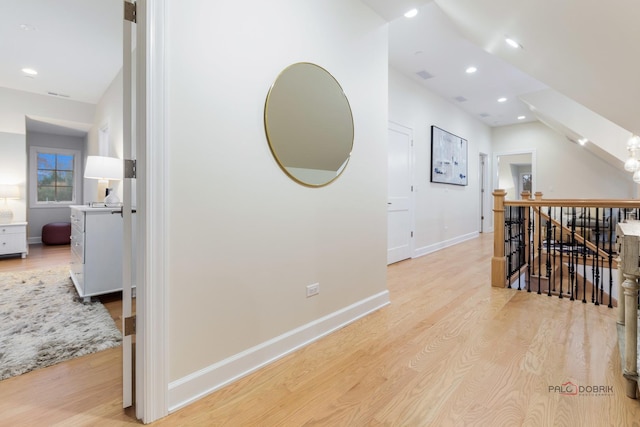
(573,247)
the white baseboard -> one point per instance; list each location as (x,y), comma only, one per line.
(197,385)
(444,244)
(34,240)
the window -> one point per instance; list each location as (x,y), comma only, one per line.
(54,176)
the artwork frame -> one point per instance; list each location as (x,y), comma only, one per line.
(449,158)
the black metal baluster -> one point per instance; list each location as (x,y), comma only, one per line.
(520,244)
(529,252)
(553,255)
(584,257)
(572,255)
(561,251)
(539,247)
(610,305)
(549,251)
(507,244)
(596,257)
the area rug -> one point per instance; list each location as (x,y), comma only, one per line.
(43,322)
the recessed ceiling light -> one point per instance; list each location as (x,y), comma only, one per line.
(511,42)
(521,117)
(29,71)
(27,27)
(411,13)
(582,141)
(503,99)
(471,70)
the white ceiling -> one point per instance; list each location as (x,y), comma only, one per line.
(75,45)
(588,51)
(431,43)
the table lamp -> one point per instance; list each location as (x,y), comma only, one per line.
(104,169)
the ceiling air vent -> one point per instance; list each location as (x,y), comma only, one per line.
(61,95)
(484,115)
(460,98)
(424,74)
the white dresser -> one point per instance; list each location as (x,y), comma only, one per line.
(96,250)
(13,239)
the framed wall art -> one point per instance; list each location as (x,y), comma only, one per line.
(448,157)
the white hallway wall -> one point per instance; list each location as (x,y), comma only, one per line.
(444,214)
(108,113)
(244,239)
(565,169)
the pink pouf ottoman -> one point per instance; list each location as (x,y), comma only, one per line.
(56,233)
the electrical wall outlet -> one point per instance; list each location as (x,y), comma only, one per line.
(313,289)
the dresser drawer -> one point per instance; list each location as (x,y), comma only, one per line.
(13,229)
(77,245)
(12,243)
(77,220)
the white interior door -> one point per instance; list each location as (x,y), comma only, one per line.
(399,203)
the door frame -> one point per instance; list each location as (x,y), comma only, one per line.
(152,367)
(395,126)
(496,171)
(486,220)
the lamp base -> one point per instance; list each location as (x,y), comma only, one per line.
(112,200)
(6,215)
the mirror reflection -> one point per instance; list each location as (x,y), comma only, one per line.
(309,124)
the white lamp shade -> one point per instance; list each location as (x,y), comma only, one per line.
(9,191)
(100,167)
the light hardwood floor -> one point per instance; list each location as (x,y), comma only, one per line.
(449,351)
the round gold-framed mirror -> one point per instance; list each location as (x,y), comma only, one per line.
(309,124)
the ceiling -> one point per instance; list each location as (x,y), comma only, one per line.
(587,51)
(429,45)
(74,45)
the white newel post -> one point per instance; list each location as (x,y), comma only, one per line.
(631,332)
(621,297)
(630,255)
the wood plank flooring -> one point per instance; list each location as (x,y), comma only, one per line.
(450,350)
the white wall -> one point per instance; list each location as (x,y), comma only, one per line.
(108,112)
(14,106)
(13,170)
(564,169)
(244,240)
(444,214)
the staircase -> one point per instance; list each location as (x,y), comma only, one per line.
(581,250)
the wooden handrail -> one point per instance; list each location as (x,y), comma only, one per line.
(577,203)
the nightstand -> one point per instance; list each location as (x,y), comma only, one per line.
(13,239)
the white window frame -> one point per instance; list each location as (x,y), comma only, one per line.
(33,176)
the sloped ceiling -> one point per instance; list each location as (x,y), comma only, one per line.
(586,50)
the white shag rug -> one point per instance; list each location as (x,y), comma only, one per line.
(44,322)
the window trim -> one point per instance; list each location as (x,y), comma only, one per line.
(33,176)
